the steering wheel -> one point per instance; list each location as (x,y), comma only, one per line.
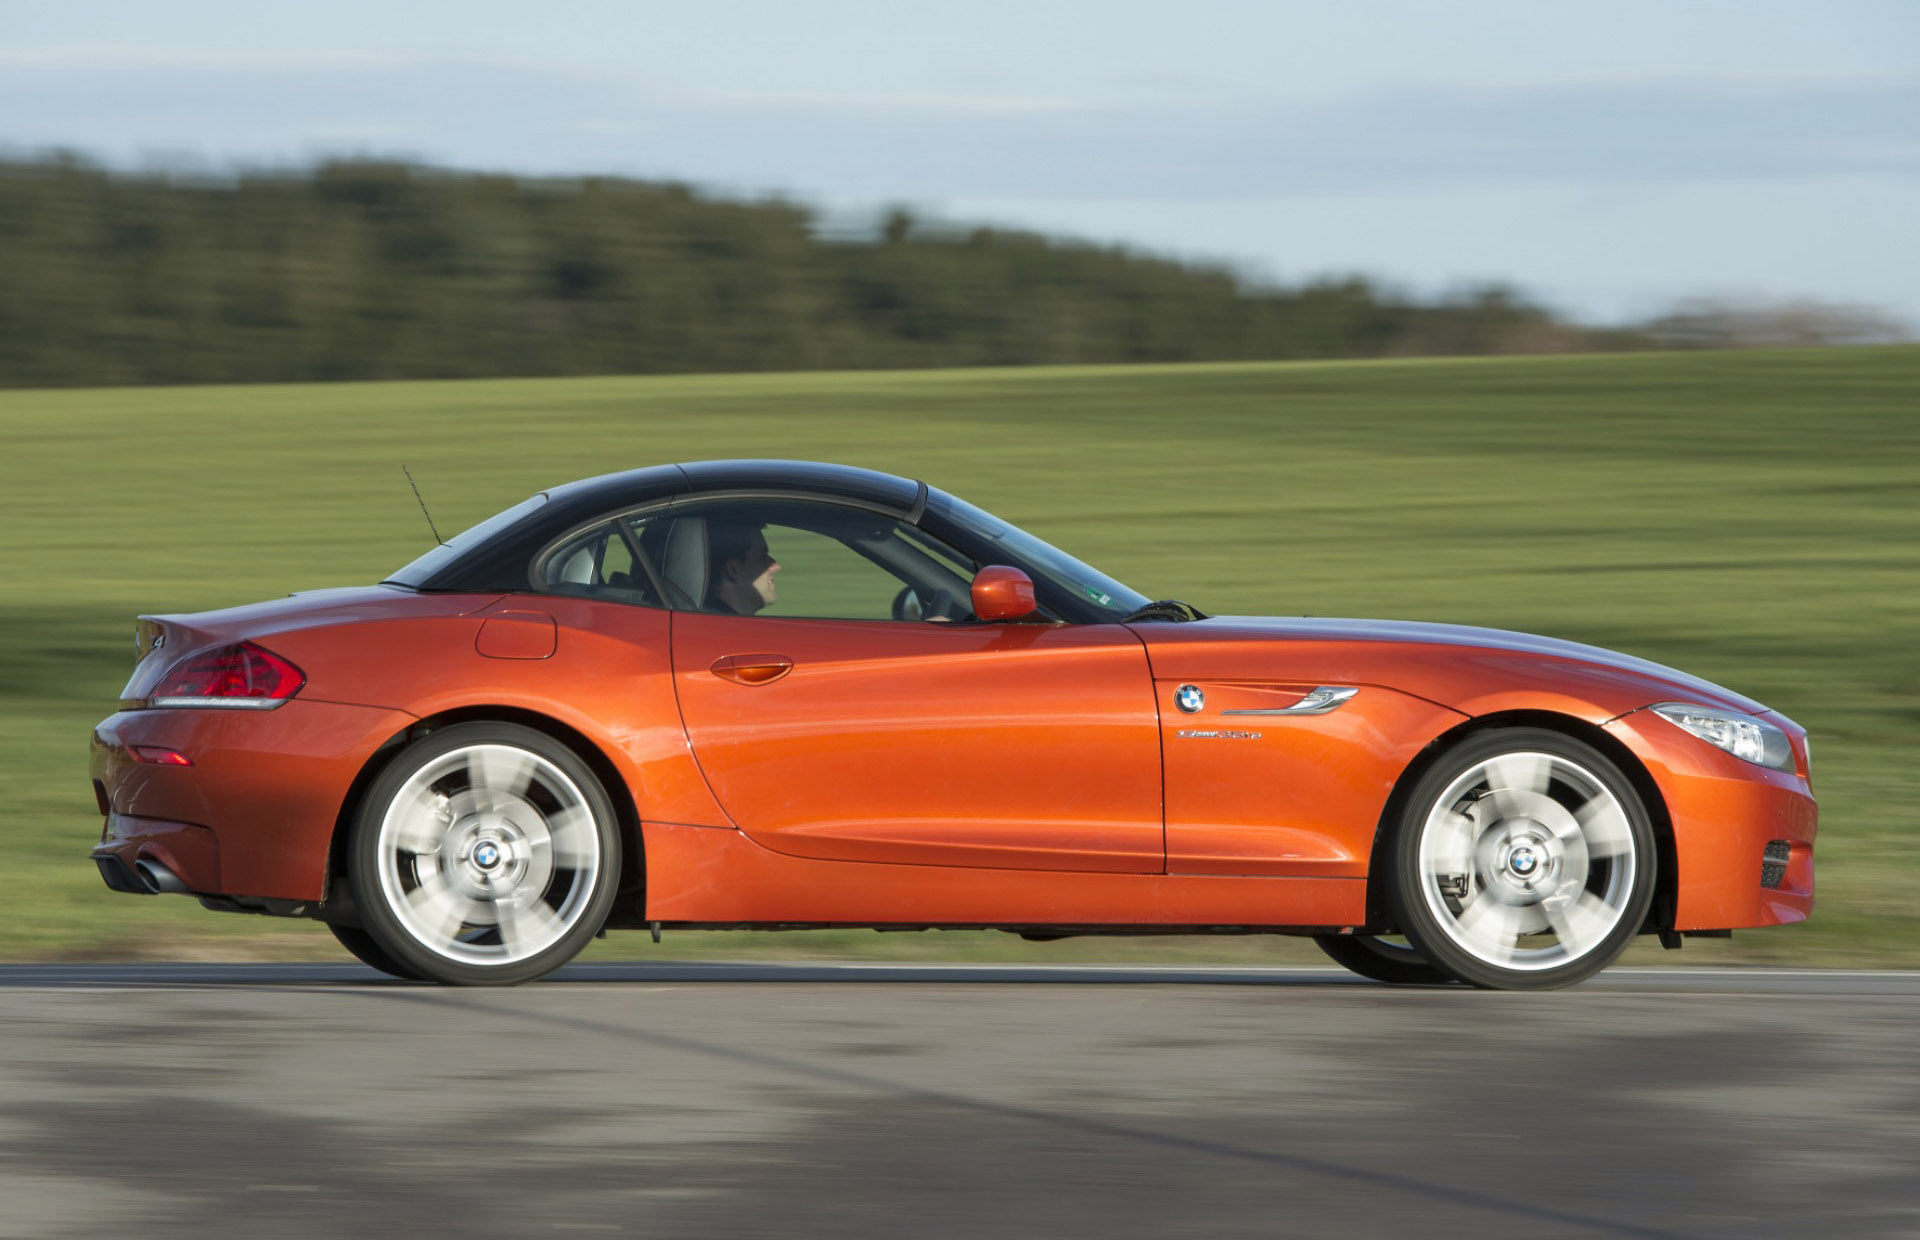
(940,605)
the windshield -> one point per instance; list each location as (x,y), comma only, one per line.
(436,559)
(1045,563)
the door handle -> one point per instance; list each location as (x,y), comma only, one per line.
(752,669)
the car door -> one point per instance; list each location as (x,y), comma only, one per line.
(828,729)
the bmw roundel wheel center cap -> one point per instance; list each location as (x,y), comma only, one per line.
(1520,861)
(489,853)
(493,851)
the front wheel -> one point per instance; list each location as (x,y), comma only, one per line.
(485,854)
(1524,861)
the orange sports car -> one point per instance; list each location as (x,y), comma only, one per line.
(771,694)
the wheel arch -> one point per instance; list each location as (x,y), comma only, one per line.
(632,891)
(1667,876)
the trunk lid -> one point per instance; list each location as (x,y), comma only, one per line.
(161,641)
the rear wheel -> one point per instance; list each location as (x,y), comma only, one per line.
(1383,960)
(485,854)
(1525,861)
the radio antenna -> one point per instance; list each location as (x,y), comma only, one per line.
(423,505)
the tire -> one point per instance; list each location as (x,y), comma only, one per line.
(367,952)
(1381,961)
(1524,861)
(485,854)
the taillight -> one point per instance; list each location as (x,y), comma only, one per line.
(241,675)
(159,755)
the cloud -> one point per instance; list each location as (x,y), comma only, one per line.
(542,118)
(856,104)
(114,57)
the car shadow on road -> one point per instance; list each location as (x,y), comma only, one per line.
(684,972)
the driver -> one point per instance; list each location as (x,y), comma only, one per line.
(740,569)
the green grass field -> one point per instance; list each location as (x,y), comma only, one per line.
(1751,517)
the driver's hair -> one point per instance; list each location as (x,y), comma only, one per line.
(727,540)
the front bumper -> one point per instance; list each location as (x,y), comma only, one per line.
(256,812)
(1725,812)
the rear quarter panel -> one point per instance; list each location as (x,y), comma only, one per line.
(254,814)
(607,676)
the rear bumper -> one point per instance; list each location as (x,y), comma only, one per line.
(1725,813)
(130,845)
(255,813)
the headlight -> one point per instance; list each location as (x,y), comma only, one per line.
(1743,736)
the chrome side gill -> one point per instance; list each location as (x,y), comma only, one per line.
(1322,701)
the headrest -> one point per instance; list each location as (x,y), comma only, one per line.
(685,562)
(577,569)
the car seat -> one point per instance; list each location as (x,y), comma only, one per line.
(683,565)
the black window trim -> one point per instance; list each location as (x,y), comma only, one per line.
(1061,611)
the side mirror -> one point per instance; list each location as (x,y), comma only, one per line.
(1002,593)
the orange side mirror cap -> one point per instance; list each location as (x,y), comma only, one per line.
(1002,593)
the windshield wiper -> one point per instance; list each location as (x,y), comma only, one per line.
(1168,609)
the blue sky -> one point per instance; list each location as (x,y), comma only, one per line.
(1610,157)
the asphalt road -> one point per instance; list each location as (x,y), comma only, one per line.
(847,1101)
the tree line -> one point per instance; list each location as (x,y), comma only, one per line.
(384,270)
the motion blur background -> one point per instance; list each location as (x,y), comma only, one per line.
(1165,283)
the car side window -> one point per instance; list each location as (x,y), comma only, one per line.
(803,559)
(820,576)
(599,563)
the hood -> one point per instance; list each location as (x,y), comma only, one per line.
(1460,666)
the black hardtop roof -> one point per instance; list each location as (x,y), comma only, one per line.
(638,486)
(500,563)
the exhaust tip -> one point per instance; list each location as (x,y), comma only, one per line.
(158,878)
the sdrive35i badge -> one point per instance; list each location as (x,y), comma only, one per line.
(1189,698)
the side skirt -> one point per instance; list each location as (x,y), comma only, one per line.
(715,876)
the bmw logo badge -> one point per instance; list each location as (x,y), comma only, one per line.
(1189,698)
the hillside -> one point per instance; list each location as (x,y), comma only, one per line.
(390,271)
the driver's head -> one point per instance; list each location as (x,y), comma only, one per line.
(739,568)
